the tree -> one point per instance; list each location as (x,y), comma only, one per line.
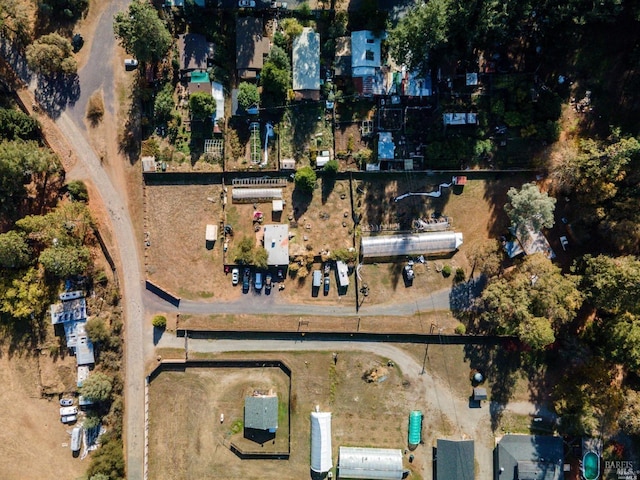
(248,95)
(630,416)
(23,296)
(17,125)
(108,460)
(625,341)
(51,55)
(164,104)
(14,250)
(97,330)
(331,168)
(65,261)
(305,179)
(420,33)
(142,33)
(276,77)
(97,387)
(612,284)
(15,21)
(532,301)
(243,253)
(78,190)
(260,257)
(159,321)
(530,208)
(99,476)
(202,105)
(487,257)
(64,9)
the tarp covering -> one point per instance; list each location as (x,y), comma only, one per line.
(415,427)
(370,463)
(411,244)
(321,442)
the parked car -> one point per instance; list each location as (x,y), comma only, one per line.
(130,63)
(267,283)
(327,284)
(564,242)
(66,402)
(280,274)
(69,418)
(246,3)
(246,280)
(235,276)
(257,283)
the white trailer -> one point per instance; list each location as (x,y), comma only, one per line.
(76,439)
(66,411)
(211,233)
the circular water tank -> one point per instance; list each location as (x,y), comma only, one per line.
(478,377)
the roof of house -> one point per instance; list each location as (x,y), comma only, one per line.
(370,463)
(251,45)
(261,412)
(276,242)
(84,352)
(455,460)
(342,63)
(193,50)
(365,53)
(69,311)
(529,457)
(306,60)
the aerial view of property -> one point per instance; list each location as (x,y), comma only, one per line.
(347,239)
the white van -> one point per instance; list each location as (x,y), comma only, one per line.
(66,411)
(76,439)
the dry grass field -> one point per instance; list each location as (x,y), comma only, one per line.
(33,442)
(188,441)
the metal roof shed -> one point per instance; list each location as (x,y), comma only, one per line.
(255,194)
(321,442)
(370,463)
(276,243)
(432,243)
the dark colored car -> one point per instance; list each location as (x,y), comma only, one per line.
(257,283)
(246,280)
(327,284)
(267,283)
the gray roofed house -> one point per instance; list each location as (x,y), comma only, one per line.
(455,460)
(194,51)
(251,46)
(529,457)
(306,64)
(276,243)
(261,412)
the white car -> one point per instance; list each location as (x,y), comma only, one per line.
(130,63)
(246,3)
(66,402)
(564,242)
(235,276)
(69,418)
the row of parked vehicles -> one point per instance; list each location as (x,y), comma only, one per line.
(259,279)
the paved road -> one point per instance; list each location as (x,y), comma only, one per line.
(474,423)
(259,304)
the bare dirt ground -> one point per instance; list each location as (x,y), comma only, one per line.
(186,433)
(33,442)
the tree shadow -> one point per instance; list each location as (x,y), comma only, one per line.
(495,194)
(55,93)
(463,298)
(301,201)
(328,184)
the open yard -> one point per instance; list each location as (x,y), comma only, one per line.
(187,439)
(33,442)
(176,216)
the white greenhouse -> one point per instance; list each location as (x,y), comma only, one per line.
(321,442)
(431,243)
(370,463)
(248,195)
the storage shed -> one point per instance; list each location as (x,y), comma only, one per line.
(370,463)
(211,233)
(261,412)
(432,243)
(321,442)
(455,459)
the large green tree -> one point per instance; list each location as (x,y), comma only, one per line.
(248,95)
(14,250)
(530,208)
(63,9)
(164,104)
(276,78)
(97,387)
(532,301)
(65,261)
(142,33)
(17,125)
(202,105)
(23,295)
(15,21)
(51,54)
(305,179)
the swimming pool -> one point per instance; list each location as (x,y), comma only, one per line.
(591,466)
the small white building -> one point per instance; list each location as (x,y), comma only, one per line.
(365,53)
(370,463)
(321,442)
(276,243)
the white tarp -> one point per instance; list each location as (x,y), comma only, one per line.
(321,442)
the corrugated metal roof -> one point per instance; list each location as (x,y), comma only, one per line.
(370,463)
(410,244)
(321,442)
(306,60)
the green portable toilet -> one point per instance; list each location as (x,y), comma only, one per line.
(415,428)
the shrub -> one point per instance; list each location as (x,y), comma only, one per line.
(159,321)
(97,330)
(446,271)
(248,95)
(95,107)
(460,329)
(305,179)
(331,168)
(78,191)
(460,275)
